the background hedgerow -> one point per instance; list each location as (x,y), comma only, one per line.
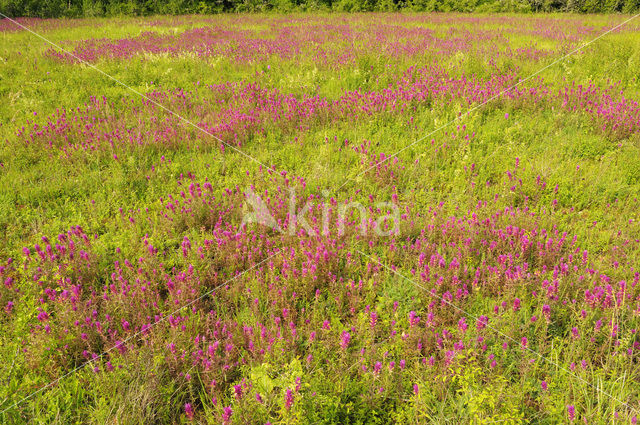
(93,8)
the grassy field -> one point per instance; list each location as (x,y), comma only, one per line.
(320,219)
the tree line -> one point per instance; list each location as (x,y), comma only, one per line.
(93,8)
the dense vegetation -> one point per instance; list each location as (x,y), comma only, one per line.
(135,288)
(92,8)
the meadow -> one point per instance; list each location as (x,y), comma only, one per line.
(451,230)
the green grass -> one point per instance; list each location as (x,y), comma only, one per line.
(42,194)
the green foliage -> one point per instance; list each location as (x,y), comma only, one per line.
(92,8)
